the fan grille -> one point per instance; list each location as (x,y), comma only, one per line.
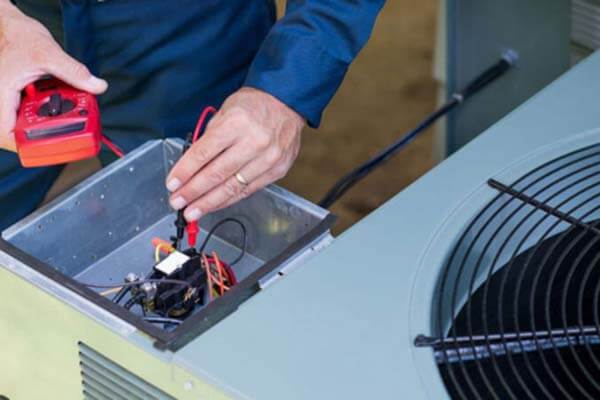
(516,310)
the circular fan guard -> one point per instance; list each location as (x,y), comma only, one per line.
(516,314)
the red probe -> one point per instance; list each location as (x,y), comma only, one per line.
(192,233)
(192,228)
(58,124)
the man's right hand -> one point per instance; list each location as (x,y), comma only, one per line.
(28,52)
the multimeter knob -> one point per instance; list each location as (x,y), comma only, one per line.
(55,106)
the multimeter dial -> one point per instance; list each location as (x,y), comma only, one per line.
(55,106)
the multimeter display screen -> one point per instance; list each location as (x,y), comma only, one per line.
(55,131)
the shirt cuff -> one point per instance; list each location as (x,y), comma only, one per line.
(299,72)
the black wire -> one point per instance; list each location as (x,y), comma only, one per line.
(477,84)
(134,300)
(119,296)
(217,226)
(161,320)
(350,179)
(140,282)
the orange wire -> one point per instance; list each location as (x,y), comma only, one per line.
(216,280)
(208,276)
(220,271)
(167,247)
(211,261)
(225,274)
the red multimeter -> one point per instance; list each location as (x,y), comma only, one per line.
(56,124)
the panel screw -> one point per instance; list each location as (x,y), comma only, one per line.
(149,289)
(188,385)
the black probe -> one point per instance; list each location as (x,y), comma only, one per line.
(180,225)
(180,222)
(491,74)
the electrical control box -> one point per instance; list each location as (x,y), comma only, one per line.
(102,231)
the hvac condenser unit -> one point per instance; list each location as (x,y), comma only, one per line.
(480,280)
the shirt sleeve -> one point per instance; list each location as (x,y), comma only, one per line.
(305,57)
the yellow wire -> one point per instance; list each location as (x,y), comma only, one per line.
(110,291)
(157,251)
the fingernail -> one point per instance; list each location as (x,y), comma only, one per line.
(173,184)
(193,215)
(178,203)
(100,83)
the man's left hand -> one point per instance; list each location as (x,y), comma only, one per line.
(251,142)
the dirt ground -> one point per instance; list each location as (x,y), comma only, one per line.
(388,90)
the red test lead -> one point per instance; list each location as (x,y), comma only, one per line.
(192,233)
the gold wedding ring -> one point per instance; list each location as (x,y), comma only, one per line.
(240,178)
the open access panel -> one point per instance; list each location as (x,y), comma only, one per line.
(102,231)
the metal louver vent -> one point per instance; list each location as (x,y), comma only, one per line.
(586,23)
(102,379)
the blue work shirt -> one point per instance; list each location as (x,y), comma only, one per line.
(166,60)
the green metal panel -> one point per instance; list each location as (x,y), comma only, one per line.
(478,32)
(40,354)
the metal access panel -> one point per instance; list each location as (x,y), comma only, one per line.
(102,230)
(478,32)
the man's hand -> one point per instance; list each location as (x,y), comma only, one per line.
(28,52)
(254,136)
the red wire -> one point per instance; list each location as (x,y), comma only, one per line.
(231,275)
(228,271)
(201,121)
(113,147)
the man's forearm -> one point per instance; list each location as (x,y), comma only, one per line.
(307,53)
(255,137)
